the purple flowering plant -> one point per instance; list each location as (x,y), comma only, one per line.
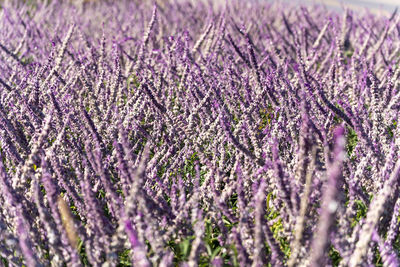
(181,133)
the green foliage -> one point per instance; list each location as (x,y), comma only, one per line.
(396,243)
(132,81)
(214,249)
(4,261)
(277,228)
(82,253)
(124,258)
(211,242)
(267,115)
(351,140)
(232,201)
(390,129)
(334,256)
(228,224)
(361,212)
(181,249)
(27,60)
(347,55)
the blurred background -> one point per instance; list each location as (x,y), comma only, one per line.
(375,6)
(382,7)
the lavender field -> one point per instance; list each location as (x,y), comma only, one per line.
(182,133)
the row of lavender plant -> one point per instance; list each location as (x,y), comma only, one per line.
(185,133)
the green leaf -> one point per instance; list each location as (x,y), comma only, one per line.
(215,252)
(184,247)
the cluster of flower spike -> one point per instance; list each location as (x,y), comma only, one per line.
(134,133)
